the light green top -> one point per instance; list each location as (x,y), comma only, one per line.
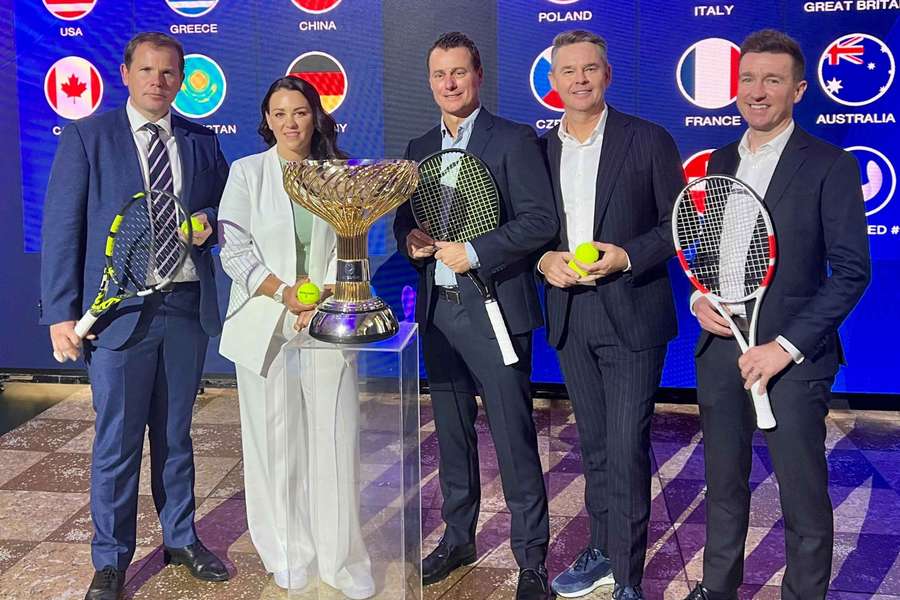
(303,223)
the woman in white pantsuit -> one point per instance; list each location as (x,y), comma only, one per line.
(269,247)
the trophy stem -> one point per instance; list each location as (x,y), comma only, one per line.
(352,276)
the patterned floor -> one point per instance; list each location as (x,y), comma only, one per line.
(45,526)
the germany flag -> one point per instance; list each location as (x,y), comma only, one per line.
(326,74)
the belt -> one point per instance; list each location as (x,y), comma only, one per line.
(450,294)
(742,323)
(175,285)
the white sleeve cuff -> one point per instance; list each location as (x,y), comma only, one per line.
(540,260)
(694,297)
(791,349)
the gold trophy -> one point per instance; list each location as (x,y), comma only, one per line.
(350,195)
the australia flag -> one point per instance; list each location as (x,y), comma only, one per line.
(856,69)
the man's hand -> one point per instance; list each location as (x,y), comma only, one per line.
(555,267)
(763,363)
(199,237)
(453,254)
(419,244)
(612,260)
(710,319)
(66,345)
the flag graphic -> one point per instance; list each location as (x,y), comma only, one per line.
(69,10)
(707,73)
(203,89)
(73,87)
(856,69)
(316,6)
(192,8)
(879,179)
(325,74)
(540,82)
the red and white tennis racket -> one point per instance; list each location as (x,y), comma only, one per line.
(725,243)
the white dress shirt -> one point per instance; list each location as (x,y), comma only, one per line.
(756,170)
(142,141)
(578,180)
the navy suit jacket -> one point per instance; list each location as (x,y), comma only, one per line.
(817,209)
(638,179)
(527,222)
(96,169)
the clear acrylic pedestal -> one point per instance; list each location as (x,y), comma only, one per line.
(351,431)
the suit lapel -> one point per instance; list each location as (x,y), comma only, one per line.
(616,140)
(481,133)
(731,159)
(123,140)
(792,158)
(185,143)
(554,156)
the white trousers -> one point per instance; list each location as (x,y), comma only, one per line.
(299,433)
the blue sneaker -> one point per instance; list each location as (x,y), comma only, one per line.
(627,592)
(589,571)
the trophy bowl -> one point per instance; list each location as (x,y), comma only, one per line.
(350,195)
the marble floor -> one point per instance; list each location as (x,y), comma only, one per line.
(45,526)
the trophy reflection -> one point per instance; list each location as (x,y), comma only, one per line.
(351,195)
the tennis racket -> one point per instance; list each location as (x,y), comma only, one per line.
(725,243)
(144,251)
(456,201)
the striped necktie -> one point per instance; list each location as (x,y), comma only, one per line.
(161,208)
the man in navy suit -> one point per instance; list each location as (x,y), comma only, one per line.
(461,356)
(813,194)
(145,357)
(615,179)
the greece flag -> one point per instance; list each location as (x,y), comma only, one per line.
(708,73)
(192,8)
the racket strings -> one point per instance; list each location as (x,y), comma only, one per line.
(148,249)
(723,234)
(457,199)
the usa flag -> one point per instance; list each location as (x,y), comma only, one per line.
(856,69)
(69,10)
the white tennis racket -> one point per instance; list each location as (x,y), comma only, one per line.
(456,201)
(725,243)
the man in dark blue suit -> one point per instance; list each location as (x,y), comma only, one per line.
(813,194)
(615,179)
(145,357)
(461,356)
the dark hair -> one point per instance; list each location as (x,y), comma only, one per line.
(324,138)
(456,39)
(577,36)
(776,42)
(157,39)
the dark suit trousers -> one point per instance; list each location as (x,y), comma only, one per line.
(797,448)
(612,389)
(461,361)
(149,384)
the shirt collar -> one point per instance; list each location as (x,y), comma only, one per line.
(136,120)
(464,126)
(596,134)
(776,144)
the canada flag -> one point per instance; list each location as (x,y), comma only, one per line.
(73,87)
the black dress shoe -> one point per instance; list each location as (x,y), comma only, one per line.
(701,593)
(202,563)
(533,584)
(444,559)
(106,585)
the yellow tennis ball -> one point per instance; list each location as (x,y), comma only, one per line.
(308,293)
(587,254)
(196,225)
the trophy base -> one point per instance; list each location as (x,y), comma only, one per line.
(342,322)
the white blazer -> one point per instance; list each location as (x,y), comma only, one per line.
(256,233)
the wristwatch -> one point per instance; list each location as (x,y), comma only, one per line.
(278,296)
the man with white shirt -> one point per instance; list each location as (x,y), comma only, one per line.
(813,194)
(145,356)
(615,180)
(461,355)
